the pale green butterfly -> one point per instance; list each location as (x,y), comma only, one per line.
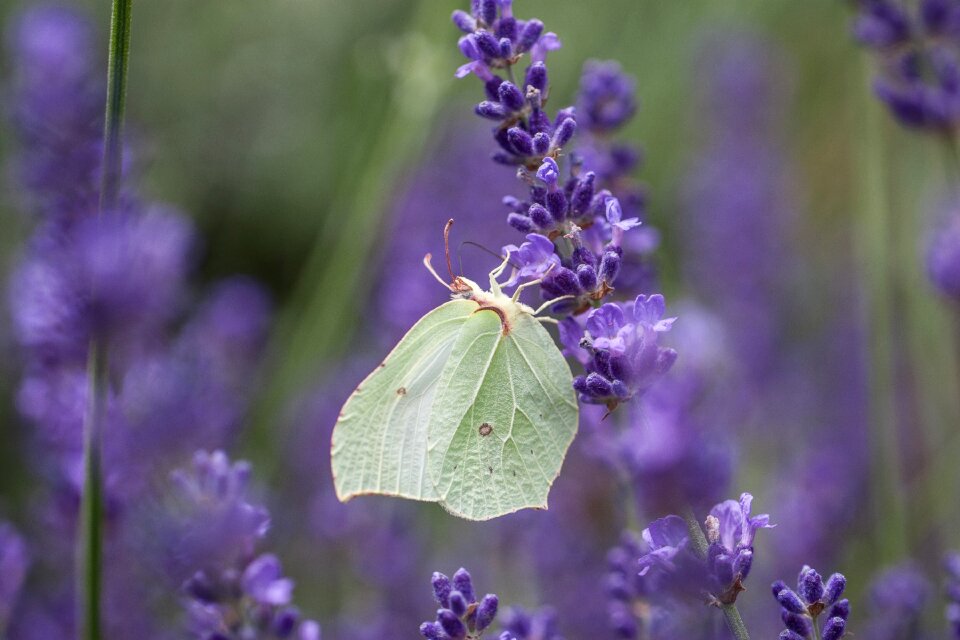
(474,409)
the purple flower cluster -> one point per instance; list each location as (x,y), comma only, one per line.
(57,109)
(730,533)
(14,563)
(460,616)
(234,593)
(898,596)
(664,566)
(801,609)
(618,346)
(919,55)
(952,566)
(575,226)
(520,624)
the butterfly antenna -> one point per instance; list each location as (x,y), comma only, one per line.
(446,248)
(426,263)
(498,256)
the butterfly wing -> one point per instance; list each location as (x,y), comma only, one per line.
(379,443)
(504,416)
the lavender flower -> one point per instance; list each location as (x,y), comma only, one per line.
(919,59)
(460,616)
(943,255)
(57,100)
(671,564)
(234,594)
(730,533)
(898,596)
(952,566)
(14,562)
(801,609)
(540,624)
(621,341)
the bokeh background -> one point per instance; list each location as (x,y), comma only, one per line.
(319,145)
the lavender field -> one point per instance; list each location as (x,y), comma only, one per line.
(480,319)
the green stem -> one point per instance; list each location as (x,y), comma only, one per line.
(90,538)
(730,611)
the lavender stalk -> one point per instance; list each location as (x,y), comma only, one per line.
(90,550)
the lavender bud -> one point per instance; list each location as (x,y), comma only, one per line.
(510,96)
(463,584)
(583,255)
(530,34)
(834,589)
(541,144)
(506,48)
(487,44)
(441,588)
(468,47)
(840,610)
(520,140)
(834,628)
(742,563)
(557,204)
(432,631)
(580,385)
(507,28)
(777,587)
(791,601)
(583,193)
(451,624)
(564,133)
(810,585)
(567,113)
(464,21)
(488,11)
(587,277)
(538,122)
(598,386)
(540,216)
(284,622)
(609,266)
(486,611)
(786,634)
(491,88)
(490,110)
(537,77)
(563,281)
(520,222)
(797,623)
(458,604)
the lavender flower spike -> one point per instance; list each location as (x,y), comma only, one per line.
(801,609)
(233,594)
(460,616)
(730,533)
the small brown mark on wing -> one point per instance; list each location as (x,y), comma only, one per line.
(486,429)
(402,391)
(491,470)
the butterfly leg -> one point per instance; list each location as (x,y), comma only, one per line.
(549,303)
(496,273)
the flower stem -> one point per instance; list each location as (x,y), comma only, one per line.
(90,539)
(730,611)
